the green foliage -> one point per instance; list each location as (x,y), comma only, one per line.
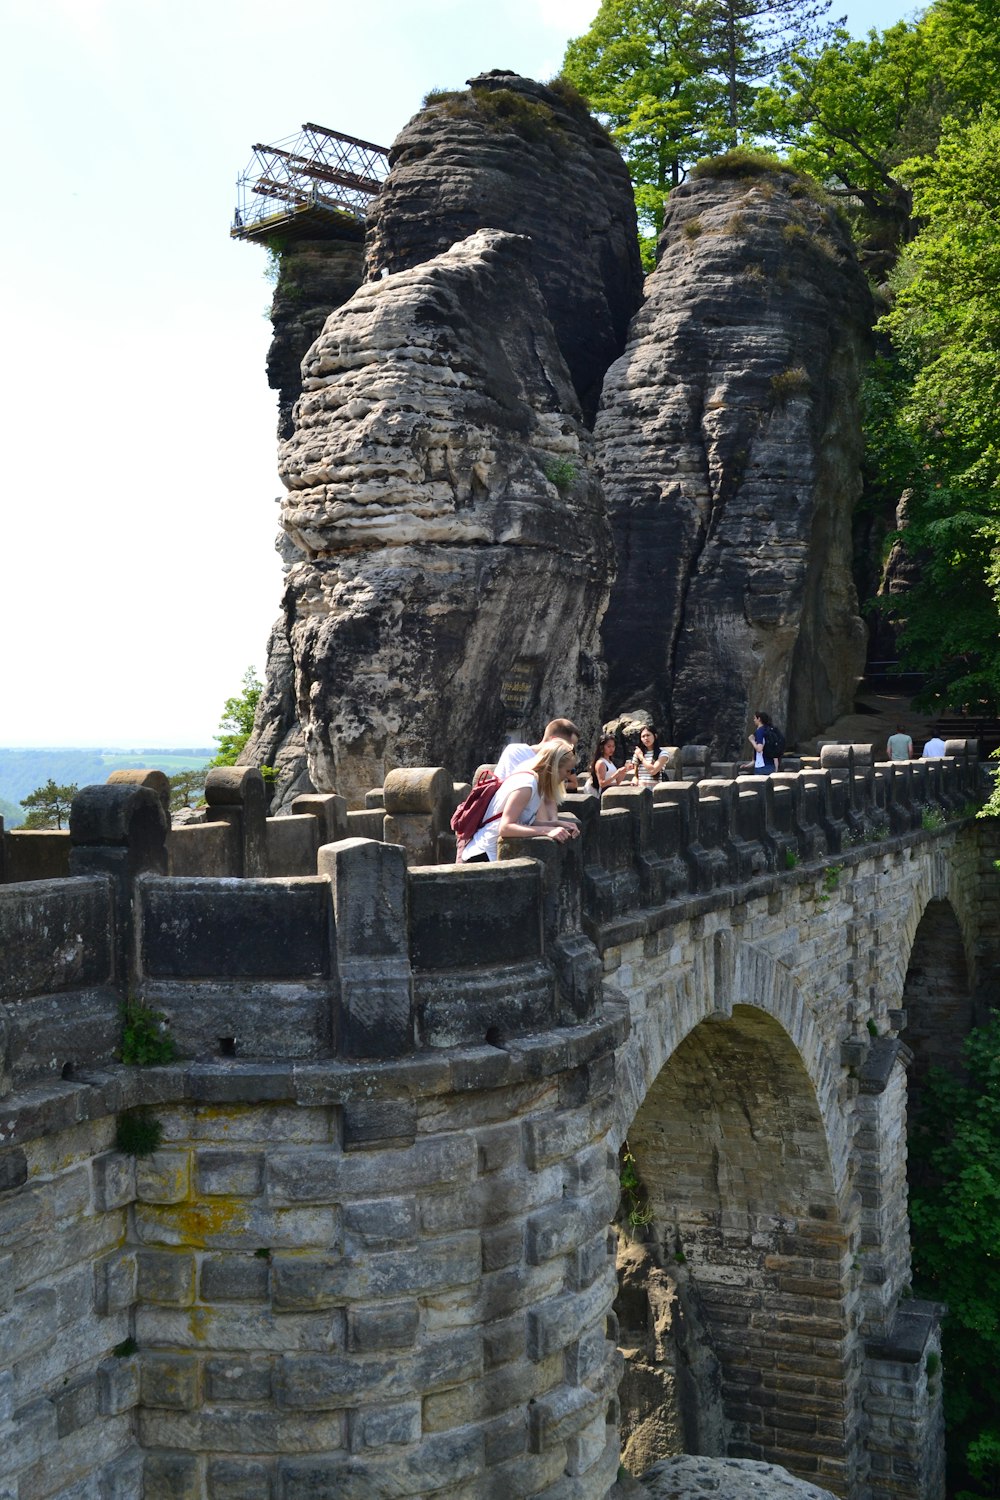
(741,162)
(138,1133)
(871,1027)
(125,1348)
(847,114)
(991,807)
(643,68)
(831,878)
(236,724)
(187,787)
(502,109)
(145,1040)
(933,420)
(955,1211)
(49,805)
(791,859)
(561,472)
(932,818)
(639,1212)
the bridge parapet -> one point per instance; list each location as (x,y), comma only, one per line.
(369,956)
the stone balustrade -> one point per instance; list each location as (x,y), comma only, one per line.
(380,950)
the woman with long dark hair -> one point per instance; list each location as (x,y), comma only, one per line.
(603,771)
(649,759)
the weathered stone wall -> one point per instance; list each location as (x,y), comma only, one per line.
(68,1385)
(337,1283)
(371,1273)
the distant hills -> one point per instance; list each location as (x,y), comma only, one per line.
(21,771)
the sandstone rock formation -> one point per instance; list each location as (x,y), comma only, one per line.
(729,443)
(449,547)
(689,1478)
(314,277)
(517,155)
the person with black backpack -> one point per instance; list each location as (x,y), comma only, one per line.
(768,744)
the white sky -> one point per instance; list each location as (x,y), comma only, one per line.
(138,578)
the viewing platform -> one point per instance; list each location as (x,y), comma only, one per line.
(314,185)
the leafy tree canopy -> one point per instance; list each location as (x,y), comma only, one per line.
(676,81)
(187,787)
(236,724)
(48,806)
(937,432)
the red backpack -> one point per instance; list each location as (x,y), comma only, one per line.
(470,815)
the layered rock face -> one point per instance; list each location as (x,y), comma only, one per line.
(449,547)
(314,277)
(513,154)
(729,444)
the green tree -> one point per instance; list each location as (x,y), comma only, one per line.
(955,1210)
(944,417)
(675,80)
(236,724)
(749,41)
(47,806)
(187,786)
(643,67)
(853,113)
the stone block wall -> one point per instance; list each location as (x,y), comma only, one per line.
(337,1284)
(373,1245)
(69,1386)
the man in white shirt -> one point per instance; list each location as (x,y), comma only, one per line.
(518,755)
(934,748)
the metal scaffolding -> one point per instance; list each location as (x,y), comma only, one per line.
(316,182)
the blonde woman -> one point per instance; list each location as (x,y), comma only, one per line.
(526,805)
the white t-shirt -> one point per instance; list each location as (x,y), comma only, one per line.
(643,772)
(934,748)
(512,757)
(484,840)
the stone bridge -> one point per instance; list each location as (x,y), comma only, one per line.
(374,1252)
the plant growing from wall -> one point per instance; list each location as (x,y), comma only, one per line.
(145,1039)
(138,1133)
(559,471)
(638,1211)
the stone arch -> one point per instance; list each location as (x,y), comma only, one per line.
(741,1151)
(937,997)
(937,880)
(721,974)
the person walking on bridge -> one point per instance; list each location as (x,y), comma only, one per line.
(768,744)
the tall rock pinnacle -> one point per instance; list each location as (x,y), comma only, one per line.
(729,443)
(449,543)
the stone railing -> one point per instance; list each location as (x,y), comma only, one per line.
(370,955)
